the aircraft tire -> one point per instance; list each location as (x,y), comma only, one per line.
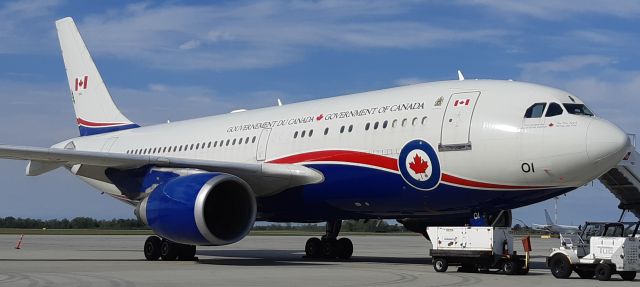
(152,248)
(313,248)
(169,250)
(345,248)
(187,252)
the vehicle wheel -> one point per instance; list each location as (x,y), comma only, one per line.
(510,267)
(628,275)
(585,274)
(313,248)
(440,264)
(345,247)
(168,250)
(152,248)
(603,272)
(560,266)
(330,249)
(186,252)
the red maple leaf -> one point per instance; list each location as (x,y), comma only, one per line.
(319,117)
(418,165)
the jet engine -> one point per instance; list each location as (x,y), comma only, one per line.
(200,209)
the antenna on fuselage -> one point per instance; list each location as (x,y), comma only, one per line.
(279,103)
(460,76)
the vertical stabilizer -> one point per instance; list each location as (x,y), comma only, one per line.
(546,214)
(95,111)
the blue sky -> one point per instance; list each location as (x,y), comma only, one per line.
(176,60)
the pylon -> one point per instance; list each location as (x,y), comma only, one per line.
(19,241)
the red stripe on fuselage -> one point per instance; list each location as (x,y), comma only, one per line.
(342,156)
(93,124)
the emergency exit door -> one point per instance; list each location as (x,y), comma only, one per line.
(261,152)
(456,123)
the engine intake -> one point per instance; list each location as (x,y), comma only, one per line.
(200,209)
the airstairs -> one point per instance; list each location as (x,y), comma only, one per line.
(624,181)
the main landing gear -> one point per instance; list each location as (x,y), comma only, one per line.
(156,248)
(329,246)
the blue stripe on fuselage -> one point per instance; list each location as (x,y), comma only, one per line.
(89,131)
(360,192)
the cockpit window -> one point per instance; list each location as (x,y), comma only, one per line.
(553,110)
(535,111)
(578,109)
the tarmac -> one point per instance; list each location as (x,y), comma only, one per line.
(78,260)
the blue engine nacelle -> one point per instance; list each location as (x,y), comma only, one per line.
(200,209)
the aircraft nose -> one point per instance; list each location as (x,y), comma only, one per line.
(606,141)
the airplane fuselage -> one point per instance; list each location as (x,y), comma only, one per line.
(444,148)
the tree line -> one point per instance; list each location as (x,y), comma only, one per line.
(75,223)
(134,224)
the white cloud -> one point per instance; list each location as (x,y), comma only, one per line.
(261,34)
(559,10)
(564,64)
(408,81)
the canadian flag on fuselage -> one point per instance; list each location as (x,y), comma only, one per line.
(463,102)
(81,82)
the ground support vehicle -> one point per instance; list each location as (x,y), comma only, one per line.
(600,250)
(476,248)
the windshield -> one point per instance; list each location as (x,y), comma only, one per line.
(578,109)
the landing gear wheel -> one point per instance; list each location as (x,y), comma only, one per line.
(345,247)
(152,248)
(187,252)
(169,250)
(510,267)
(585,274)
(313,248)
(440,264)
(603,272)
(330,249)
(560,266)
(628,275)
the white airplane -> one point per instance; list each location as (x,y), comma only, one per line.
(426,154)
(555,228)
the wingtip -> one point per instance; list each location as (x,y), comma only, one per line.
(64,20)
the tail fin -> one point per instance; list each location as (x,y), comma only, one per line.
(549,221)
(95,111)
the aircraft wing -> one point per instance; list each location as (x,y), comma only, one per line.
(264,178)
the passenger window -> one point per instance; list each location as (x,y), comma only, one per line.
(326,131)
(553,110)
(404,122)
(394,123)
(384,124)
(415,120)
(234,142)
(302,134)
(535,111)
(366,127)
(310,133)
(209,145)
(246,140)
(350,128)
(342,129)
(253,140)
(375,126)
(424,120)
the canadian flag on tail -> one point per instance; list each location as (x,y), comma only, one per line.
(463,102)
(81,82)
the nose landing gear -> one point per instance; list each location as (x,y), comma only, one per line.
(329,246)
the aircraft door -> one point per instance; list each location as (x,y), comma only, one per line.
(261,153)
(106,147)
(456,123)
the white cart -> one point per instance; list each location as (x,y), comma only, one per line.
(475,248)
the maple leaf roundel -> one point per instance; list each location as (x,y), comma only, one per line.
(419,166)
